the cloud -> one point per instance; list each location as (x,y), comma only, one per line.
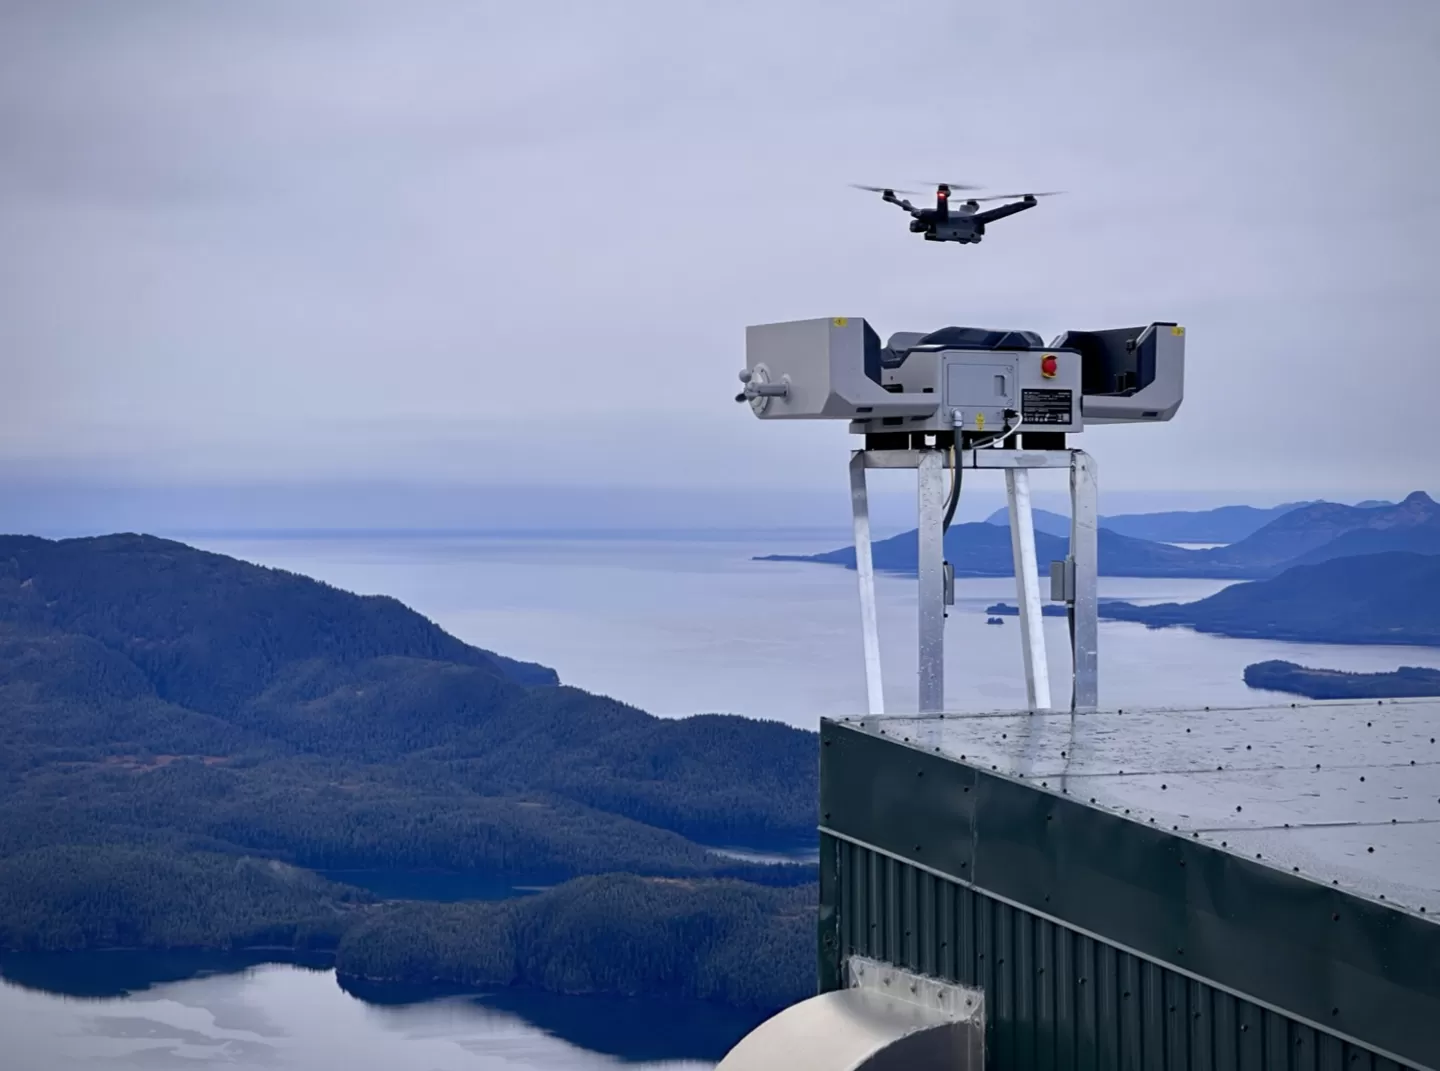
(270,240)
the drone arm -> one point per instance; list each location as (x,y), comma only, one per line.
(888,195)
(991,215)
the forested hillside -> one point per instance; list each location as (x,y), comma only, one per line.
(185,737)
(210,631)
(159,688)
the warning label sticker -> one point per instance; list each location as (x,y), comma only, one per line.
(1046,406)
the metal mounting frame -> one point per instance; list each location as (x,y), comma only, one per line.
(1081,567)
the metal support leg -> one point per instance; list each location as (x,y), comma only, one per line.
(1027,584)
(1077,579)
(865,571)
(1084,549)
(931,480)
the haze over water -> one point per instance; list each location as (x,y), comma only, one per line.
(289,1018)
(680,627)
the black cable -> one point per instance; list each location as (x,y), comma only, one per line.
(1070,616)
(955,471)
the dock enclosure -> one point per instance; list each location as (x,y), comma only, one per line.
(1178,889)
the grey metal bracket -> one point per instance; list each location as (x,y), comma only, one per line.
(1062,580)
(952,1000)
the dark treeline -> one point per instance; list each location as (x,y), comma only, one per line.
(726,942)
(100,897)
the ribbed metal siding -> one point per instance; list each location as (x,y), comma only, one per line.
(1056,999)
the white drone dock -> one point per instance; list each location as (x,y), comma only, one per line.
(969,398)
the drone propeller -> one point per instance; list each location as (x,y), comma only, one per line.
(954,186)
(883,189)
(1013,196)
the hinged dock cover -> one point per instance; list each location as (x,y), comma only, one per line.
(885,1019)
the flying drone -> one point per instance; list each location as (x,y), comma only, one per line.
(965,222)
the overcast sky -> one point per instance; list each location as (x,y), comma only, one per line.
(519,243)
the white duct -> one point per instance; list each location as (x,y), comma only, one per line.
(886,1019)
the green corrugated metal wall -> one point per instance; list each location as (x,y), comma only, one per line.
(1056,999)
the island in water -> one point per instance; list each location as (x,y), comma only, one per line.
(191,744)
(1391,598)
(1407,682)
(1047,609)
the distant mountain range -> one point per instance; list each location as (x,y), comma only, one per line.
(1226,524)
(1391,598)
(1299,535)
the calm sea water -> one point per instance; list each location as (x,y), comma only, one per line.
(682,627)
(671,625)
(155,1012)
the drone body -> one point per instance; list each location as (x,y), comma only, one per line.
(964,222)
